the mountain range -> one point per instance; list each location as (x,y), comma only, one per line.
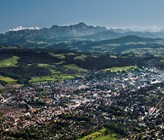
(55,31)
(81,37)
(79,31)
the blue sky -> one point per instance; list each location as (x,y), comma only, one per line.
(109,13)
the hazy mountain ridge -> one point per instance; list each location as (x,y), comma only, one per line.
(81,37)
(125,44)
(76,32)
(80,29)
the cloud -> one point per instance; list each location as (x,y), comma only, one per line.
(152,28)
(23,28)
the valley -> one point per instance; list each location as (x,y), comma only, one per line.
(127,104)
(81,82)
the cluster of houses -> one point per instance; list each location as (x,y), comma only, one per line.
(126,98)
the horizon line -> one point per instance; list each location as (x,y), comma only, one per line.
(152,28)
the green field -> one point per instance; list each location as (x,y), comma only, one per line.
(74,67)
(59,77)
(71,54)
(56,75)
(52,68)
(43,65)
(81,57)
(113,56)
(141,52)
(9,62)
(99,135)
(161,61)
(107,137)
(48,65)
(117,69)
(7,80)
(59,56)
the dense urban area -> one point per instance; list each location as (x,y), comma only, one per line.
(127,104)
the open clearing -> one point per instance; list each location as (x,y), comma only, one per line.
(117,69)
(9,62)
(99,135)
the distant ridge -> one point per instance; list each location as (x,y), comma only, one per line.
(80,29)
(59,34)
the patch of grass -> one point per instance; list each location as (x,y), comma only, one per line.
(57,77)
(60,63)
(7,80)
(107,137)
(52,68)
(99,135)
(117,69)
(81,57)
(43,78)
(43,65)
(94,56)
(135,43)
(141,52)
(63,77)
(161,61)
(74,67)
(9,62)
(70,54)
(54,71)
(113,56)
(59,56)
(49,66)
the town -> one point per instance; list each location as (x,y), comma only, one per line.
(128,102)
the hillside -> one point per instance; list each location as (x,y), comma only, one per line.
(56,34)
(34,65)
(138,46)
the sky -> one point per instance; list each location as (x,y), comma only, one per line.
(143,14)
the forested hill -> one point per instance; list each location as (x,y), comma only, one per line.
(68,34)
(33,65)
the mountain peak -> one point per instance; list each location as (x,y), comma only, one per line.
(81,24)
(80,29)
(54,26)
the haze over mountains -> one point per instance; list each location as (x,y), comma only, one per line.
(55,31)
(78,30)
(81,37)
